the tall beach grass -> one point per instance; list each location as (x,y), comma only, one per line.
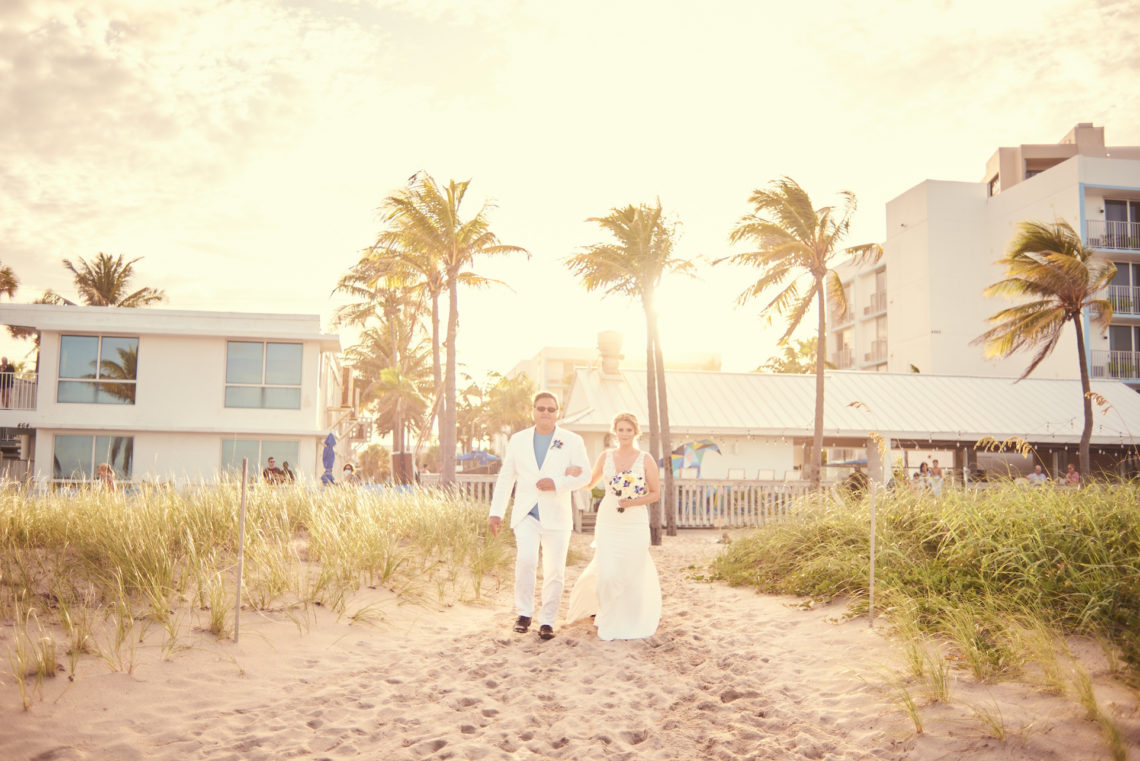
(95,571)
(998,576)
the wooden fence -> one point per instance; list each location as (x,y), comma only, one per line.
(701,503)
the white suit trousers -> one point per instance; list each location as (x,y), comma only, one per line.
(555,543)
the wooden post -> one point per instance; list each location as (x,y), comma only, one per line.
(241,545)
(871,596)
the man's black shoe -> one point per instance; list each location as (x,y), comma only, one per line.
(546,631)
(522,625)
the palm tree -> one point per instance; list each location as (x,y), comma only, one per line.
(394,253)
(1050,265)
(798,359)
(389,359)
(8,281)
(632,266)
(425,218)
(796,250)
(104,282)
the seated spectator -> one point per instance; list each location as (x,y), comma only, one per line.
(1072,475)
(272,474)
(350,476)
(1037,477)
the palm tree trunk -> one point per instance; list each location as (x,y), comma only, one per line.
(820,349)
(654,442)
(447,430)
(1086,432)
(666,459)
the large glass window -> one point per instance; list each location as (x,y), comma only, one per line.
(76,457)
(97,369)
(258,451)
(263,374)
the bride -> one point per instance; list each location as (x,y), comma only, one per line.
(620,586)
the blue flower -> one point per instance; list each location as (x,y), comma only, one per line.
(556,444)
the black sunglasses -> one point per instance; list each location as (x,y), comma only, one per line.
(540,408)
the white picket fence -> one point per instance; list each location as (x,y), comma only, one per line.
(701,503)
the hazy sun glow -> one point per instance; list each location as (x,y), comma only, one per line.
(243,148)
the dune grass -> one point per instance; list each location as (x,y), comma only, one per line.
(97,571)
(999,575)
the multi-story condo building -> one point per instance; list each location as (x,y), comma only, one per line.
(942,246)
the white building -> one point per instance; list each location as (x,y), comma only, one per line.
(943,242)
(171,396)
(762,423)
(553,367)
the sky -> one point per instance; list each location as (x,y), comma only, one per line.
(243,148)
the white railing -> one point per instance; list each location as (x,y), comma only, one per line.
(1103,233)
(701,503)
(1125,299)
(843,358)
(477,488)
(1120,365)
(19,390)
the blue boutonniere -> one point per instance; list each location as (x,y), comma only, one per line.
(556,444)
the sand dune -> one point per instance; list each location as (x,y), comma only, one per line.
(730,675)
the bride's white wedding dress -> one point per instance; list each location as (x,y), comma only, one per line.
(620,584)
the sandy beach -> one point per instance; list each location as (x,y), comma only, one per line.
(729,675)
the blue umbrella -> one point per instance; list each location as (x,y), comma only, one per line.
(328,459)
(479,456)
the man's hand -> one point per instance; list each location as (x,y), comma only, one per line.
(546,484)
(573,471)
(494,525)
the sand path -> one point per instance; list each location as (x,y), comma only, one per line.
(729,675)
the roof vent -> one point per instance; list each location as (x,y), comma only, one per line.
(609,346)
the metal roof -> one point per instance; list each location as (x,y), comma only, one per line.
(901,406)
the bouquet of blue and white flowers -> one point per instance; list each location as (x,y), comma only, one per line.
(628,485)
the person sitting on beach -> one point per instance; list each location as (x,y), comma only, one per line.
(105,477)
(288,475)
(857,483)
(935,478)
(272,474)
(349,478)
(1037,477)
(1072,475)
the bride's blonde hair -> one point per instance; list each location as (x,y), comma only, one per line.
(626,417)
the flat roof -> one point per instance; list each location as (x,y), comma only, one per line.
(177,322)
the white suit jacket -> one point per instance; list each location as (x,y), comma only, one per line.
(520,470)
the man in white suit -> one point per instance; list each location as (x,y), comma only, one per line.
(536,464)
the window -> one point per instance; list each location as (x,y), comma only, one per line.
(97,369)
(263,374)
(76,457)
(258,451)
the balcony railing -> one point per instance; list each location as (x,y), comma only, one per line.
(878,352)
(1103,233)
(1125,299)
(1118,365)
(843,358)
(878,304)
(18,391)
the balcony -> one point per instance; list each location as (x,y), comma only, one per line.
(1113,235)
(18,391)
(878,304)
(878,352)
(1125,299)
(1118,365)
(843,358)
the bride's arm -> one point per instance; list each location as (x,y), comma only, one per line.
(595,474)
